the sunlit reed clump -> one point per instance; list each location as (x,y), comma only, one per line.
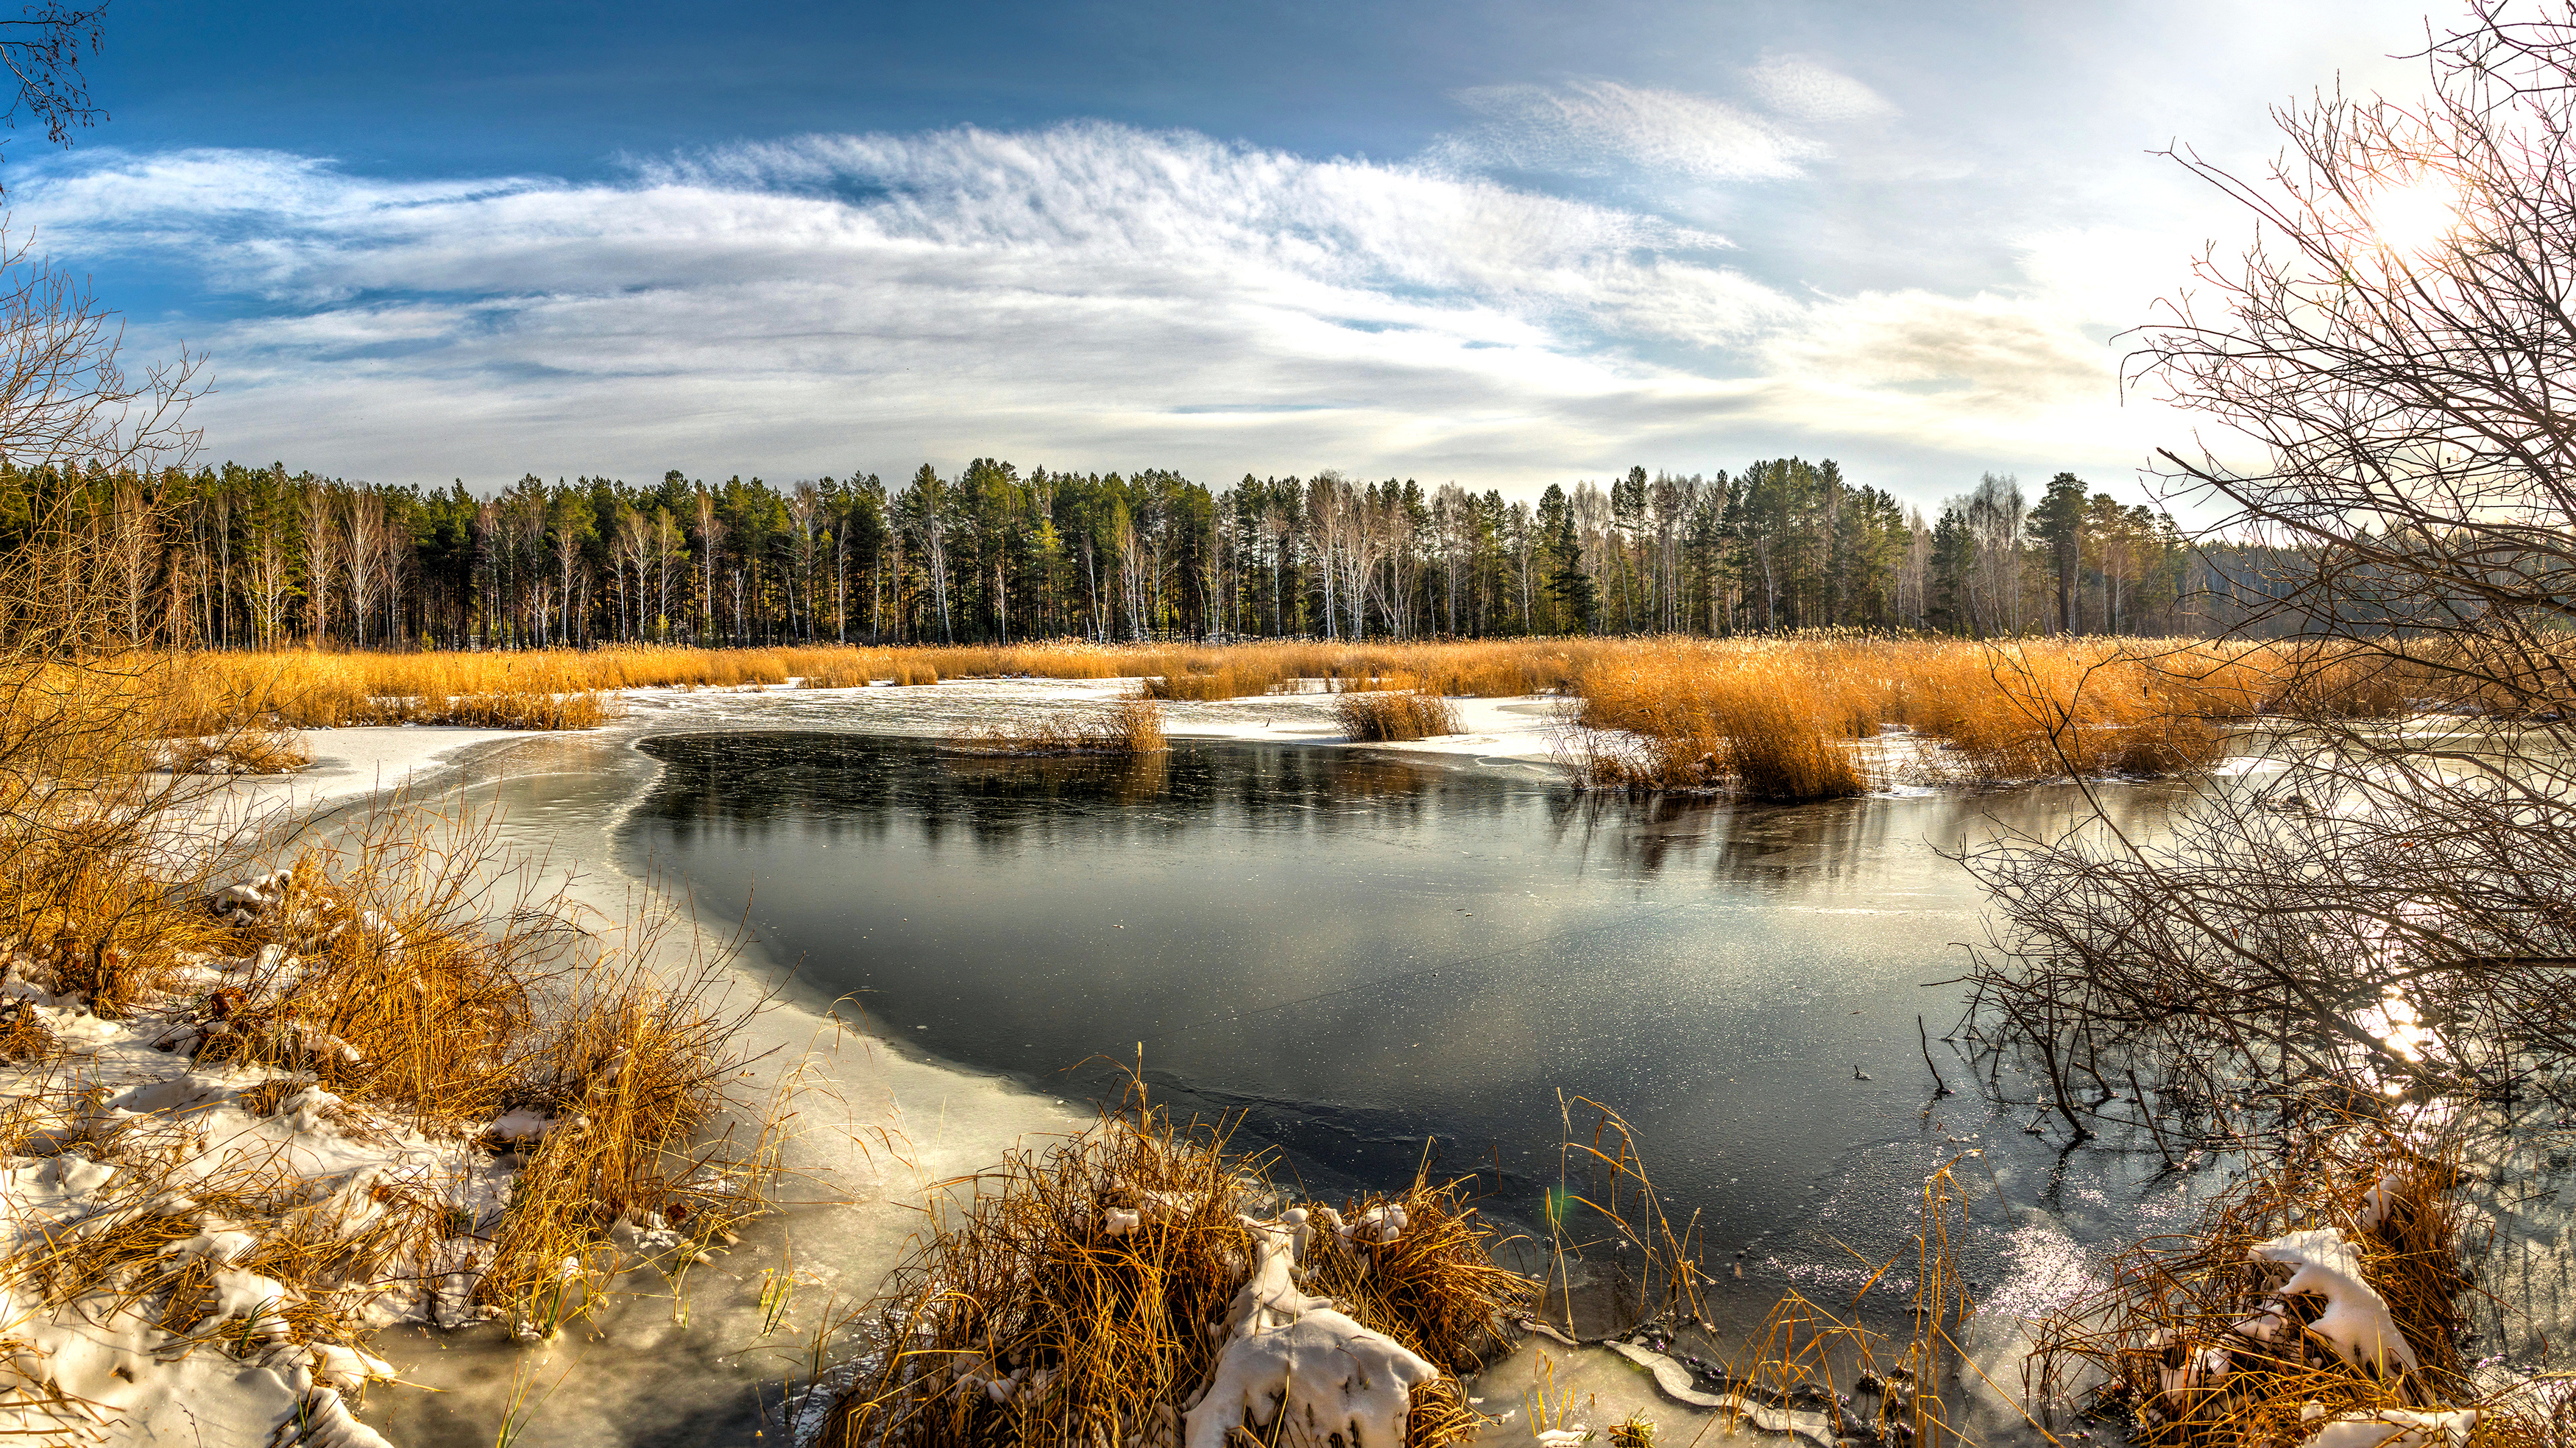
(1393,714)
(1132,726)
(1096,1292)
(2325,1288)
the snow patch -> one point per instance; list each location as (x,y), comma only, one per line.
(2379,1201)
(2356,1318)
(1288,1353)
(2396,1428)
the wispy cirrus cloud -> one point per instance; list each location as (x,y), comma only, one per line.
(1808,91)
(1601,127)
(1083,295)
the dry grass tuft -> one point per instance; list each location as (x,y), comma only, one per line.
(1133,726)
(1385,715)
(631,1073)
(376,974)
(262,751)
(24,1037)
(1768,722)
(1634,1431)
(1032,1315)
(2181,1342)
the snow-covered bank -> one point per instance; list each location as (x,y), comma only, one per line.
(134,1142)
(348,766)
(140,1133)
(1520,730)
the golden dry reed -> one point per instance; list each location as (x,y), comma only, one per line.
(1132,726)
(1378,716)
(1096,1337)
(1805,716)
(1824,715)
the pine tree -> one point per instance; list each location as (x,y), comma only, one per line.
(1567,581)
(2058,524)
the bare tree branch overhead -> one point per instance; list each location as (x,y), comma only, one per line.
(2387,901)
(42,48)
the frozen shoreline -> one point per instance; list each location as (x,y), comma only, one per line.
(897,1123)
(1515,730)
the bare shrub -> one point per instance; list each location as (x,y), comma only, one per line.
(2389,906)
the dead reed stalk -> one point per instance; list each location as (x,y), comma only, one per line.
(1807,1369)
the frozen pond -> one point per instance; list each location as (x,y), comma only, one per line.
(1371,956)
(1374,957)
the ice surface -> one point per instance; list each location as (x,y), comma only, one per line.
(1675,1381)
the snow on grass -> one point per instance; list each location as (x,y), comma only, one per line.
(2356,1318)
(155,1203)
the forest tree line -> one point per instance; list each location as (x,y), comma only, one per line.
(237,556)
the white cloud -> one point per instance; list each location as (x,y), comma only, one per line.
(1600,127)
(1084,296)
(1806,91)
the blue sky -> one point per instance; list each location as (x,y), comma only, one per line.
(1505,244)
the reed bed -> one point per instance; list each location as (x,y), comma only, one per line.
(2197,1341)
(1132,726)
(1825,716)
(1808,716)
(1498,669)
(1087,1294)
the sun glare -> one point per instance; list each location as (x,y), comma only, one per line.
(2416,217)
